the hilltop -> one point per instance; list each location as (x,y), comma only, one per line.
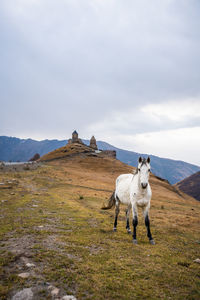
(65,151)
(74,149)
(191,185)
(51,219)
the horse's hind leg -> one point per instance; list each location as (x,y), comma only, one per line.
(127,218)
(116,213)
(147,223)
(135,222)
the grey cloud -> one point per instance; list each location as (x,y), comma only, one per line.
(68,64)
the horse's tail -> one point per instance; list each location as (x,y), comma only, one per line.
(111,202)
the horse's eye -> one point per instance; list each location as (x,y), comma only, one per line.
(138,169)
(149,170)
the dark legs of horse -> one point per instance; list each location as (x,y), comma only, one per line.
(116,215)
(147,223)
(135,222)
(127,219)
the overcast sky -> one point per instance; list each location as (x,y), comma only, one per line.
(127,72)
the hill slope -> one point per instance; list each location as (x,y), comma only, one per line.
(191,185)
(15,149)
(67,150)
(52,219)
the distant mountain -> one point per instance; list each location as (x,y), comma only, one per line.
(191,185)
(15,149)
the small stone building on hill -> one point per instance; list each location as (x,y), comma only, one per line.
(75,138)
(93,145)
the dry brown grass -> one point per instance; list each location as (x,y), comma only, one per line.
(76,250)
(65,151)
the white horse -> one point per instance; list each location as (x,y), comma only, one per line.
(133,190)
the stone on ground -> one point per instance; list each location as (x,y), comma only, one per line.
(25,294)
(55,292)
(24,275)
(69,297)
(29,265)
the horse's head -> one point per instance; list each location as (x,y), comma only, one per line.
(143,171)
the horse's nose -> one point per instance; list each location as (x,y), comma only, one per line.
(144,185)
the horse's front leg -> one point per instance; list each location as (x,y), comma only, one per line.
(135,221)
(127,218)
(147,223)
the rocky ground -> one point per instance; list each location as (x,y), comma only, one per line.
(18,167)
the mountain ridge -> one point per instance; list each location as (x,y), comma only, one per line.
(15,149)
(190,185)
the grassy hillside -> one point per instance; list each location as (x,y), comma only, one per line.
(51,217)
(65,151)
(191,185)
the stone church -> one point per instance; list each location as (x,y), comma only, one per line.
(75,139)
(93,145)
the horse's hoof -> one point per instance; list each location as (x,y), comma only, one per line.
(114,229)
(152,242)
(129,231)
(134,241)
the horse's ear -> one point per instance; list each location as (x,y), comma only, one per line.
(148,160)
(140,159)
